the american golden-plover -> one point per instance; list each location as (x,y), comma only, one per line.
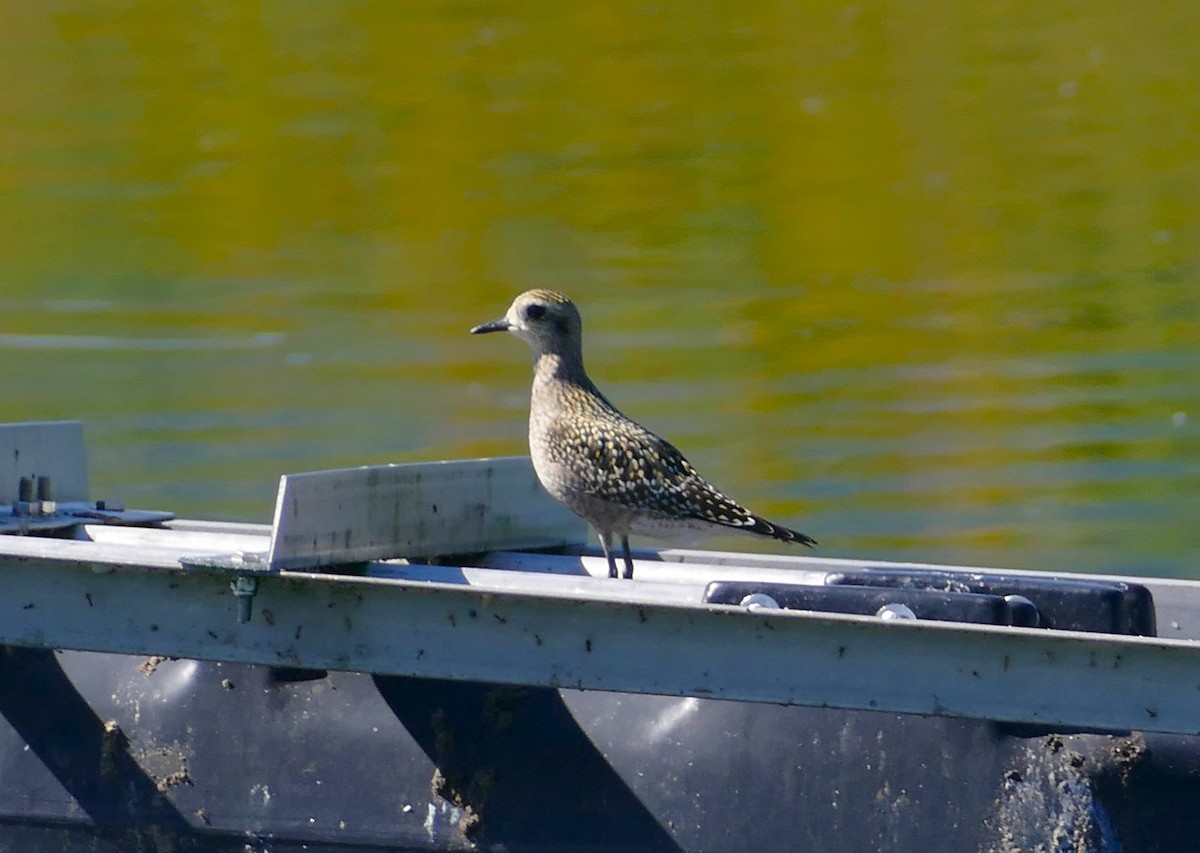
(610,471)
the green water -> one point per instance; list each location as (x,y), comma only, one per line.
(920,279)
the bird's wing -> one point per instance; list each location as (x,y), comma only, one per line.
(627,464)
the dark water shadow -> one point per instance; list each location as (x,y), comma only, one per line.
(517,762)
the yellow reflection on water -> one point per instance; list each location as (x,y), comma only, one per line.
(920,280)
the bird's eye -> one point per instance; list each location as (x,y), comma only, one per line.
(535,312)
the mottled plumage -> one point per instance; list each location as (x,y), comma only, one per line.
(611,471)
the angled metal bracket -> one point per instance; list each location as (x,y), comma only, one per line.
(421,510)
(44,483)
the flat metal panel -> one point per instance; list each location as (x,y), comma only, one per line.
(202,541)
(73,514)
(46,448)
(420,510)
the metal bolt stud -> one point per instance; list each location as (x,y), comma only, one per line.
(244,588)
(24,503)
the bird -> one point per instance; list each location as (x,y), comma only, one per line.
(612,472)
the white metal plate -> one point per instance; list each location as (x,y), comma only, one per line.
(419,510)
(46,448)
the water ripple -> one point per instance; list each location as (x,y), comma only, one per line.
(260,340)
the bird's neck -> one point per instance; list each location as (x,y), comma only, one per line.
(551,367)
(561,387)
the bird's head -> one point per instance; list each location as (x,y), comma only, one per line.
(546,319)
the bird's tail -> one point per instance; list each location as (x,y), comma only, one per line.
(778,531)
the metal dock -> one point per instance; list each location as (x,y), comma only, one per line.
(428,657)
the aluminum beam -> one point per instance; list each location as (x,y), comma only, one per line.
(587,641)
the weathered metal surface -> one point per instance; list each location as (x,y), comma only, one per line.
(85,553)
(53,516)
(481,633)
(183,538)
(201,525)
(421,510)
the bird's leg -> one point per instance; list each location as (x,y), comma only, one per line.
(604,543)
(628,559)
